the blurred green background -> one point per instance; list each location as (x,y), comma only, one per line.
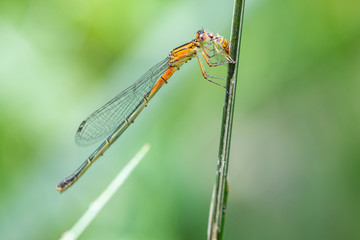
(295,156)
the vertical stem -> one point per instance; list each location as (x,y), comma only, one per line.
(221,188)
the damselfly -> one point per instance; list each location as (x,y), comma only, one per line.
(114,117)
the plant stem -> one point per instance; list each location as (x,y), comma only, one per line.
(221,188)
(96,206)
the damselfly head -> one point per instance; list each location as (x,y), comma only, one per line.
(202,36)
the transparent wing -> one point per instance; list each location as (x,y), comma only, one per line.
(106,119)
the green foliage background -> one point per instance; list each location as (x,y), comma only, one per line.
(295,155)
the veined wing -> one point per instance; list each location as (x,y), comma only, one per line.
(106,119)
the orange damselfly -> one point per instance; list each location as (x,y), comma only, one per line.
(114,117)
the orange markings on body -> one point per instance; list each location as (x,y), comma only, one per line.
(225,45)
(167,74)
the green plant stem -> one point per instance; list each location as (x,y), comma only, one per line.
(96,206)
(221,188)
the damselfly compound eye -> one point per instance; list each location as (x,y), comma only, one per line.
(201,35)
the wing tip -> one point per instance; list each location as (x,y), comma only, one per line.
(81,127)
